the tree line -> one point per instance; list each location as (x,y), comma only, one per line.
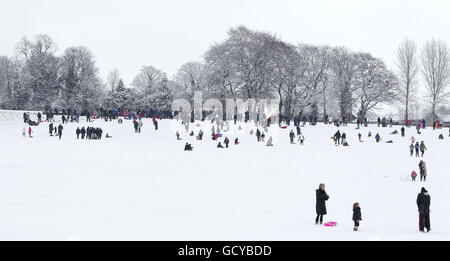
(307,79)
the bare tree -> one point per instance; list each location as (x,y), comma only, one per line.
(113,79)
(435,59)
(406,60)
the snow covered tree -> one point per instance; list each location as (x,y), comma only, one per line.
(40,70)
(407,66)
(435,59)
(373,83)
(82,88)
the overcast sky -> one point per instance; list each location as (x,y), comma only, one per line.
(168,33)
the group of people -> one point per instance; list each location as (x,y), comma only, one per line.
(90,133)
(423,204)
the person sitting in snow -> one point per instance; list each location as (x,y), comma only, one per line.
(370,134)
(269,141)
(301,138)
(394,132)
(188,147)
(219,145)
(236,141)
(441,137)
(178,135)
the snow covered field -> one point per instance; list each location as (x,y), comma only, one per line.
(145,187)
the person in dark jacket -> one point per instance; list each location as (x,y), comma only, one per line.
(50,129)
(423,204)
(343,137)
(417,149)
(337,138)
(83,133)
(226,141)
(219,145)
(188,147)
(258,135)
(291,136)
(403,131)
(78,131)
(356,216)
(60,129)
(321,197)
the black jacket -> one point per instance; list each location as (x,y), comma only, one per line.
(357,214)
(423,201)
(321,197)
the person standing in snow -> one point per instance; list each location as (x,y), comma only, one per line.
(24,132)
(292,136)
(377,137)
(299,131)
(359,137)
(416,146)
(413,175)
(321,209)
(422,148)
(226,142)
(60,129)
(423,205)
(423,170)
(411,148)
(200,135)
(258,135)
(78,131)
(356,216)
(50,129)
(83,133)
(403,131)
(140,125)
(337,138)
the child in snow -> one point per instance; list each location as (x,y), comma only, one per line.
(178,135)
(356,216)
(413,175)
(29,131)
(359,137)
(301,138)
(24,132)
(236,141)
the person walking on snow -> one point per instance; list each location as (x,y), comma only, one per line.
(356,216)
(423,205)
(422,148)
(321,197)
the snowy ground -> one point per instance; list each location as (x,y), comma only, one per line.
(145,187)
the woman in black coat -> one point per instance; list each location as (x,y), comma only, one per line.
(321,197)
